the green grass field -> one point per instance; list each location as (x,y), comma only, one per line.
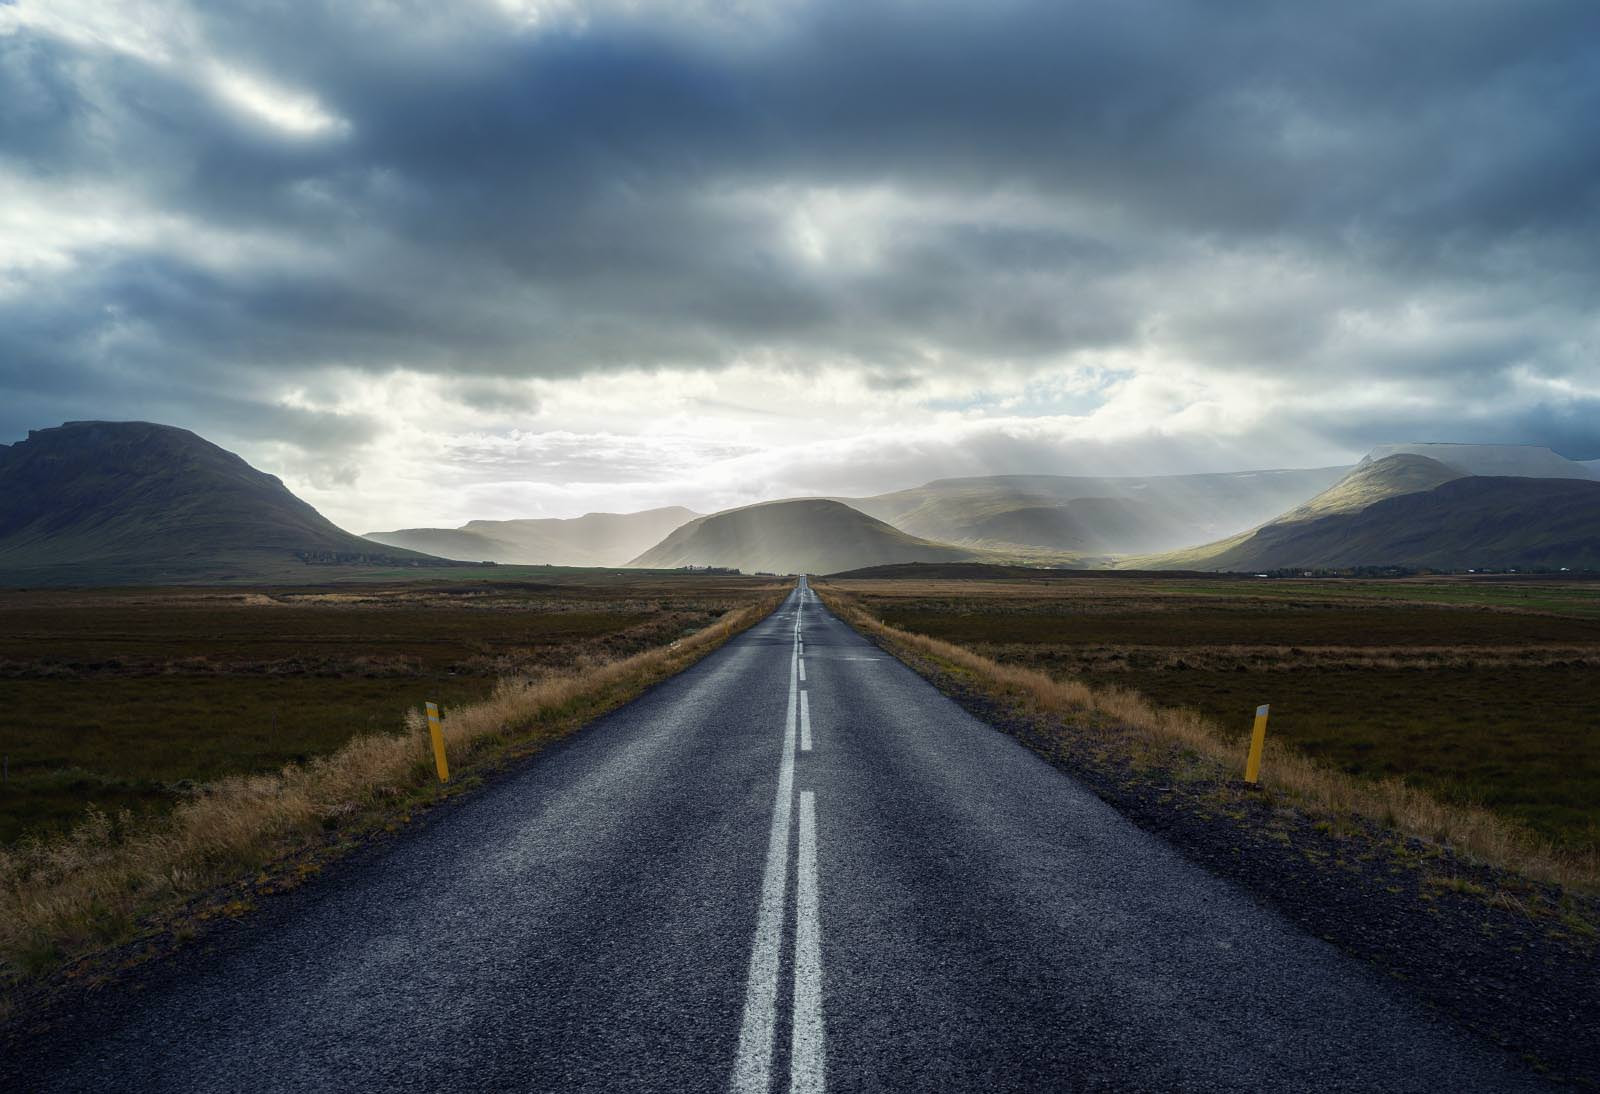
(130,698)
(1482,692)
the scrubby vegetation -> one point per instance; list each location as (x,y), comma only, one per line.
(1476,725)
(210,797)
(134,699)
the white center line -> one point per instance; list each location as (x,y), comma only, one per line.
(807,1057)
(752,1070)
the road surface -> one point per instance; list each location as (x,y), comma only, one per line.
(796,866)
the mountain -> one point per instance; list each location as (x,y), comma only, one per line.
(1373,480)
(1527,461)
(1410,510)
(118,502)
(452,543)
(594,539)
(1089,526)
(810,535)
(1093,516)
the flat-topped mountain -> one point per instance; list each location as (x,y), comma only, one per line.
(117,502)
(594,539)
(810,535)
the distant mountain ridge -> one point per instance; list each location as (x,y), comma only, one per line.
(594,539)
(1133,522)
(1476,521)
(114,502)
(1529,461)
(1093,516)
(1405,509)
(118,502)
(806,535)
(1373,480)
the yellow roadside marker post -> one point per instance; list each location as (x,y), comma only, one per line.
(1258,740)
(436,731)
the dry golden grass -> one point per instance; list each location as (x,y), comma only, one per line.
(65,897)
(1075,707)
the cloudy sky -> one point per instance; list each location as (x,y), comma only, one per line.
(497,258)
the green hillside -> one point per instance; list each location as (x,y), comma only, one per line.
(1370,481)
(1373,481)
(120,502)
(1472,522)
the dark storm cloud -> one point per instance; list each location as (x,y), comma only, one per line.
(1567,428)
(622,190)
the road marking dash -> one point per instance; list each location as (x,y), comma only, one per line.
(752,1069)
(807,1058)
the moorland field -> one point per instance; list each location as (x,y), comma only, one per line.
(136,698)
(1483,691)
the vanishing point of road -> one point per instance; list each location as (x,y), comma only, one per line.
(794,867)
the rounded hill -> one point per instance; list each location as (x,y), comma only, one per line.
(809,535)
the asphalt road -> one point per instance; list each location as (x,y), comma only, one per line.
(796,866)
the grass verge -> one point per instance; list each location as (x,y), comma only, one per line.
(116,878)
(132,698)
(1184,742)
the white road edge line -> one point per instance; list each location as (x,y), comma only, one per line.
(807,1058)
(805,723)
(752,1069)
